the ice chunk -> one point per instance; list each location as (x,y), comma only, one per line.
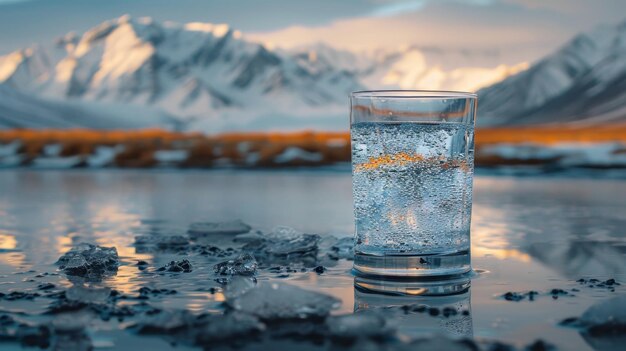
(218,228)
(244,264)
(88,260)
(250,237)
(609,311)
(604,324)
(284,233)
(284,241)
(70,322)
(203,329)
(237,286)
(177,266)
(88,294)
(270,301)
(343,248)
(352,326)
(229,327)
(165,322)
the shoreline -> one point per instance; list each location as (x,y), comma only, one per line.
(550,147)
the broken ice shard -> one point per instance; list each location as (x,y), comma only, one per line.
(284,241)
(606,312)
(238,285)
(358,325)
(343,248)
(88,294)
(244,264)
(166,321)
(88,260)
(275,301)
(231,326)
(177,266)
(605,324)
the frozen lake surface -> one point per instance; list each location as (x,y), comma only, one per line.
(532,233)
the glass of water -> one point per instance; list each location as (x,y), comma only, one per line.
(412,170)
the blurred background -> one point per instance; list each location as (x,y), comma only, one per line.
(156,83)
(132,123)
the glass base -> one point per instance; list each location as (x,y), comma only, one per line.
(415,266)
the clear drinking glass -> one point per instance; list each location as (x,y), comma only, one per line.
(412,171)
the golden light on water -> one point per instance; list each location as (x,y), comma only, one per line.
(114,214)
(7,241)
(8,251)
(493,240)
(502,254)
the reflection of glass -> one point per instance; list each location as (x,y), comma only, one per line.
(412,170)
(421,307)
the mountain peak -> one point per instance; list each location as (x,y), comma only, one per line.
(218,30)
(198,72)
(583,80)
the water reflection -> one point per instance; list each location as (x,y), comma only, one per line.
(423,308)
(573,226)
(532,234)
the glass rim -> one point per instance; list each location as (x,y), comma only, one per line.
(413,94)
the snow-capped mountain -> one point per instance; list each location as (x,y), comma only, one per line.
(584,82)
(137,73)
(206,76)
(22,110)
(413,67)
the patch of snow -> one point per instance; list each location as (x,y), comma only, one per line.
(568,154)
(293,153)
(57,162)
(10,149)
(252,158)
(103,156)
(11,161)
(171,156)
(52,150)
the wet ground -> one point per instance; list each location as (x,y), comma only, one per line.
(533,239)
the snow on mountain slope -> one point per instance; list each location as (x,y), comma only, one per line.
(413,67)
(584,81)
(206,75)
(134,72)
(20,110)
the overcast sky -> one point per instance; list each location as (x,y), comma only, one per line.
(524,29)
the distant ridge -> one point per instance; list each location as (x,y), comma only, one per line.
(583,82)
(131,73)
(207,76)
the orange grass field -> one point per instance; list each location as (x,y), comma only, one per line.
(140,145)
